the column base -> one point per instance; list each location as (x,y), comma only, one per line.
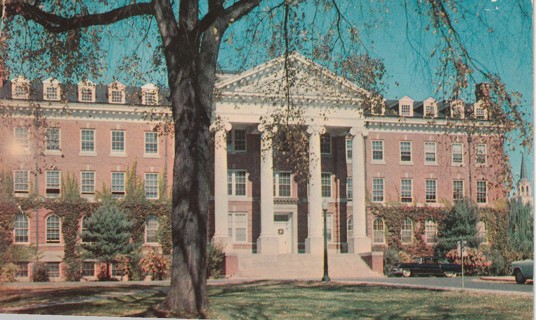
(359,245)
(224,242)
(314,245)
(268,245)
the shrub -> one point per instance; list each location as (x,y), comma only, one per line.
(8,272)
(155,264)
(39,273)
(215,260)
(391,257)
(499,264)
(475,263)
(131,266)
(72,269)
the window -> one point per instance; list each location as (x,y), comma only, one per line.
(457,109)
(349,154)
(349,190)
(150,98)
(480,111)
(20,88)
(52,141)
(481,232)
(405,110)
(151,185)
(431,191)
(236,140)
(23,269)
(405,151)
(457,190)
(84,228)
(87,184)
(457,153)
(118,141)
(326,185)
(282,184)
(51,93)
(325,144)
(151,143)
(429,111)
(21,183)
(87,140)
(481,153)
(53,182)
(481,192)
(236,182)
(151,229)
(406,190)
(53,229)
(86,91)
(430,231)
(118,184)
(116,92)
(53,269)
(21,137)
(149,95)
(88,269)
(116,96)
(406,231)
(378,231)
(430,152)
(329,227)
(377,190)
(118,270)
(237,226)
(21,228)
(377,150)
(21,92)
(350,227)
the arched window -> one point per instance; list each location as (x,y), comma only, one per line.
(350,227)
(378,228)
(406,232)
(21,228)
(151,229)
(53,229)
(430,231)
(481,232)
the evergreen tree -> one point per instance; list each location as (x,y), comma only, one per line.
(459,224)
(520,226)
(107,233)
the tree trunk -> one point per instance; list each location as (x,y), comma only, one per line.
(187,295)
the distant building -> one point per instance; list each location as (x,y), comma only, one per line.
(524,192)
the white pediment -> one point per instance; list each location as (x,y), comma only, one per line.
(308,80)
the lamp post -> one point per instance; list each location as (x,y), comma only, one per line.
(325,278)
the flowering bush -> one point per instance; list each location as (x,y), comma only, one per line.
(475,263)
(155,264)
(8,273)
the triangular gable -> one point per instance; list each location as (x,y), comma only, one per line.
(308,80)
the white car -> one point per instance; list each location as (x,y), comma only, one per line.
(523,270)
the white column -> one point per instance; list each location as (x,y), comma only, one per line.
(314,242)
(267,243)
(221,204)
(359,242)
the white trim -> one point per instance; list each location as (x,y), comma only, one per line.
(86,85)
(23,84)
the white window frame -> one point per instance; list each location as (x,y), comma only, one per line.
(85,187)
(53,144)
(233,141)
(54,94)
(326,144)
(151,145)
(151,191)
(151,229)
(403,193)
(85,269)
(21,229)
(21,136)
(51,232)
(280,178)
(233,182)
(430,148)
(481,151)
(149,95)
(326,185)
(375,192)
(406,231)
(329,227)
(349,227)
(20,88)
(428,104)
(378,235)
(51,272)
(405,110)
(481,196)
(430,231)
(349,151)
(115,142)
(403,150)
(118,186)
(18,180)
(92,141)
(457,158)
(86,91)
(454,190)
(377,147)
(349,189)
(480,113)
(430,190)
(53,183)
(119,88)
(233,226)
(457,109)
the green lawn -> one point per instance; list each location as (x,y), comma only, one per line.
(279,300)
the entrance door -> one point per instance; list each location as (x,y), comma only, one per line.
(283,227)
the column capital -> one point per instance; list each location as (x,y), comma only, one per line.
(267,128)
(316,129)
(220,124)
(359,130)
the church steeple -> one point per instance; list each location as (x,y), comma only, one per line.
(523,173)
(524,192)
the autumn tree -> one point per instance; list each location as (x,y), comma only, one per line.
(65,36)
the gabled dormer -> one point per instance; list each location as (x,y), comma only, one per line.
(20,88)
(86,91)
(429,109)
(51,90)
(457,109)
(116,93)
(149,95)
(480,110)
(405,107)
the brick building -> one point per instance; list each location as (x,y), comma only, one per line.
(409,153)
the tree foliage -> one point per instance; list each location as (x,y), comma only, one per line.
(520,228)
(458,225)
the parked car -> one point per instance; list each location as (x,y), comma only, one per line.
(436,266)
(523,270)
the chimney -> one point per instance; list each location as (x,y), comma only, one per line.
(482,91)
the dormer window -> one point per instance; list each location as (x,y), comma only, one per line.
(405,107)
(20,88)
(149,95)
(480,111)
(430,108)
(457,109)
(51,90)
(116,92)
(86,91)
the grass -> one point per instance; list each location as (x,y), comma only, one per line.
(278,300)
